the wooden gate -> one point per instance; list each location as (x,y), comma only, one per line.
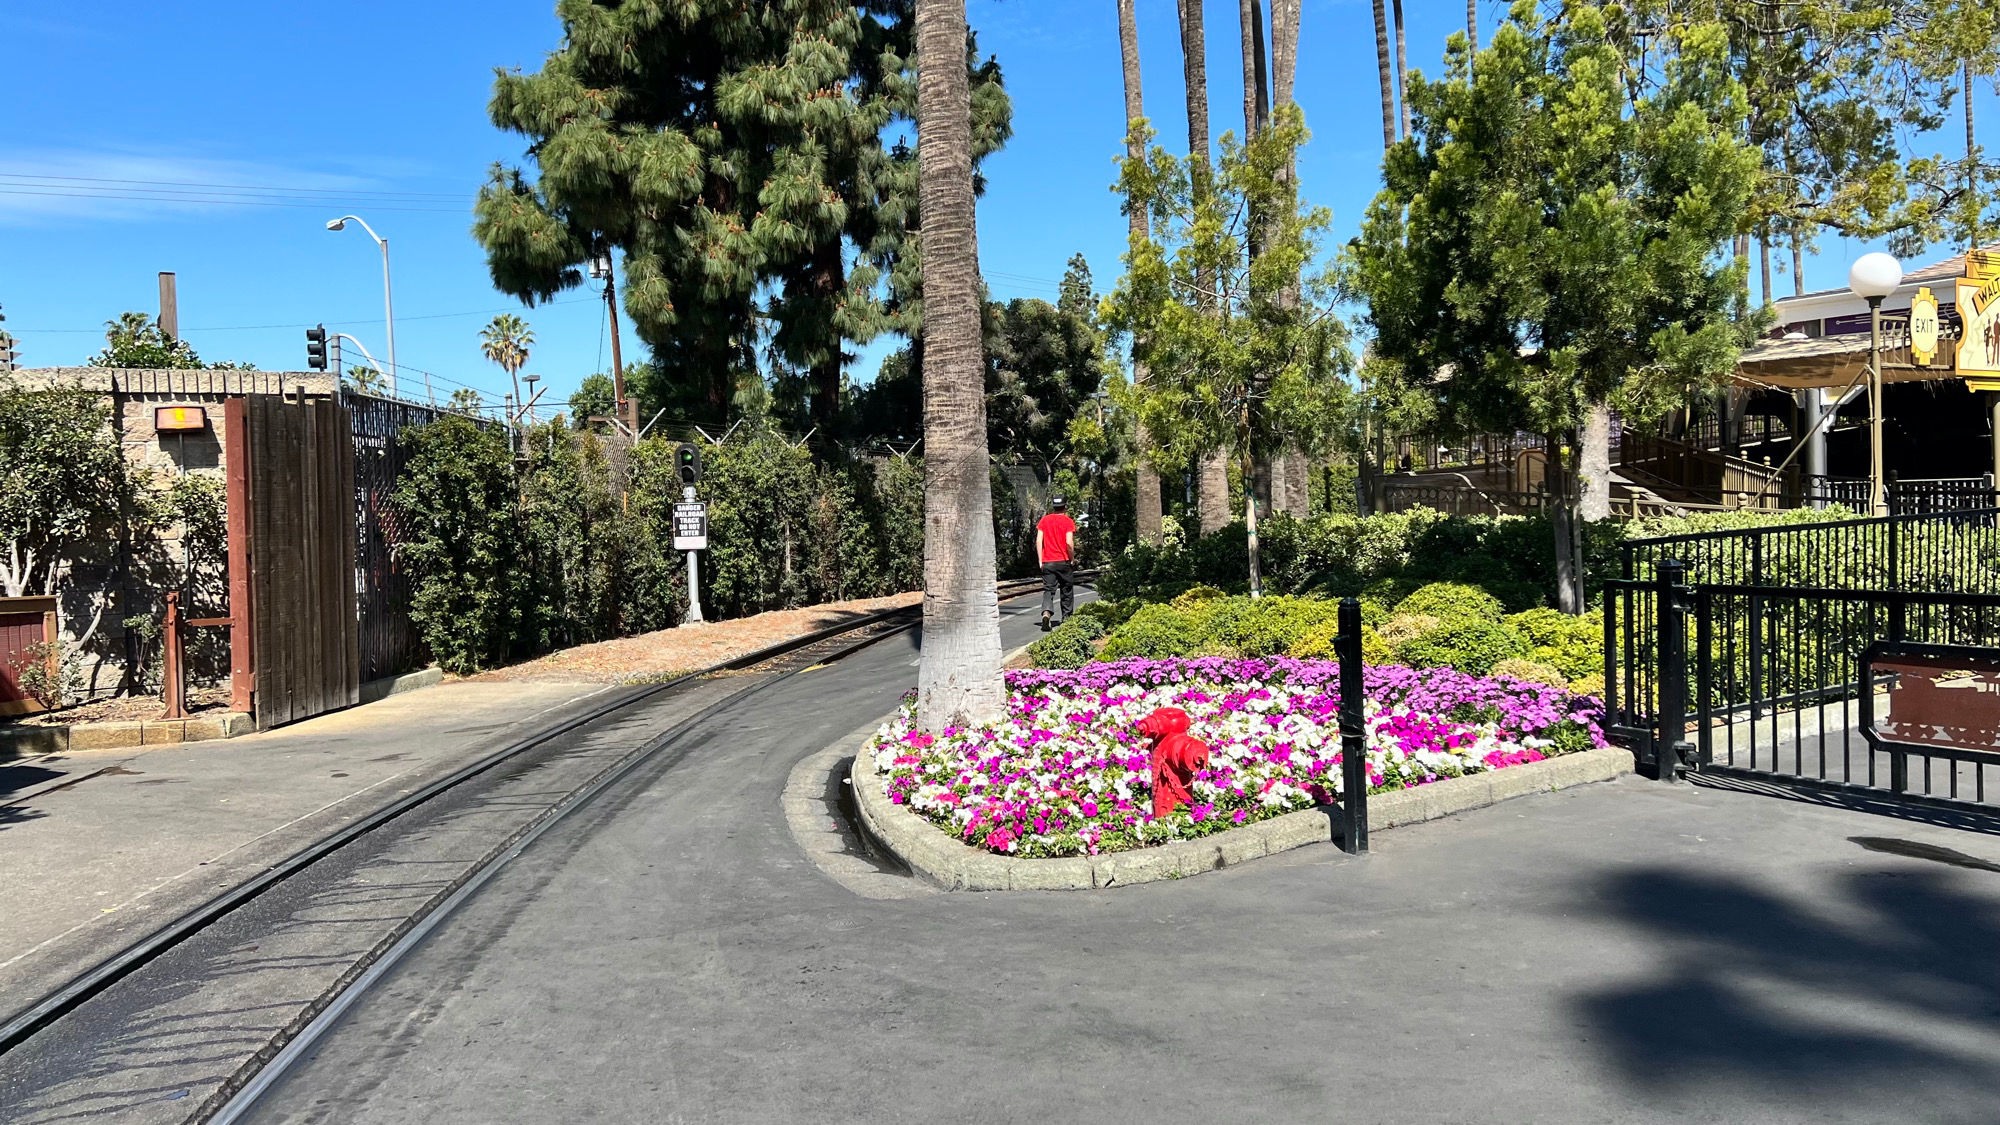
(25,625)
(291,556)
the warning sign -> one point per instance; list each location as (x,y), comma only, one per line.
(691,526)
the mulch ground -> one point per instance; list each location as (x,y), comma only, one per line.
(670,652)
(131,709)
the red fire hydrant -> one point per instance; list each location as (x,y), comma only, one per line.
(1176,757)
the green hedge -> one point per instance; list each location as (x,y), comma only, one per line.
(514,559)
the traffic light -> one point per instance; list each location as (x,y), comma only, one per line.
(687,459)
(316,347)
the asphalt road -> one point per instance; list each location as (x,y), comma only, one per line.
(1630,952)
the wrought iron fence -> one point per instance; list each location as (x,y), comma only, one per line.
(1949,551)
(390,641)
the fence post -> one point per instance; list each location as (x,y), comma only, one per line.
(173,688)
(1353,743)
(1673,669)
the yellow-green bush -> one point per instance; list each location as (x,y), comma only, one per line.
(1155,632)
(1469,644)
(1533,671)
(1451,599)
(1406,627)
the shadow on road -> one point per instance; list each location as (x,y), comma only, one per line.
(1876,984)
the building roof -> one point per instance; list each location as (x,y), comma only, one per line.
(1838,361)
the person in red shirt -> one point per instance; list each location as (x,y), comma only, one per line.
(1055,546)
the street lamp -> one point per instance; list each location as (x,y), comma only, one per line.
(1873,277)
(388,305)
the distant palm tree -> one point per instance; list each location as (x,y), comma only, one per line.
(958,680)
(129,328)
(505,341)
(365,380)
(465,400)
(1382,65)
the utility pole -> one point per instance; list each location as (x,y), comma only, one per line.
(621,407)
(170,307)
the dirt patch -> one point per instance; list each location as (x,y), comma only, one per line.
(131,709)
(661,655)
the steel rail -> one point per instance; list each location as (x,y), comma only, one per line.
(36,1017)
(240,1094)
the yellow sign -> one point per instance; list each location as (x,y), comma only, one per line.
(1923,327)
(1979,327)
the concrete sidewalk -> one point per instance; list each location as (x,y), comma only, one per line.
(98,848)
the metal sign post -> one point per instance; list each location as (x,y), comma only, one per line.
(691,535)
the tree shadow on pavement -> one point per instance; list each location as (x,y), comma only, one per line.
(1873,986)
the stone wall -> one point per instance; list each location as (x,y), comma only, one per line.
(128,584)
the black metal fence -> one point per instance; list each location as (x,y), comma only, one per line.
(1913,497)
(390,641)
(1951,551)
(1731,662)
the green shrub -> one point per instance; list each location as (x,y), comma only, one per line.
(1451,599)
(1069,645)
(1155,632)
(1406,627)
(1468,644)
(1533,671)
(1191,599)
(1375,650)
(1573,645)
(1261,626)
(1110,613)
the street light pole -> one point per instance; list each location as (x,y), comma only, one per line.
(1873,277)
(388,301)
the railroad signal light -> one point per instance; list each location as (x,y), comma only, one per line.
(316,347)
(687,460)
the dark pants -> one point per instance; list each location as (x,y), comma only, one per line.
(1058,576)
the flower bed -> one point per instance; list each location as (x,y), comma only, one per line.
(1064,774)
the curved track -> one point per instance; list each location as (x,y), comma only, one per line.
(707,692)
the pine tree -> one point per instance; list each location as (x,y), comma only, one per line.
(728,150)
(1547,243)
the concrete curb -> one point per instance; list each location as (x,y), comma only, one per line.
(374,691)
(25,741)
(960,867)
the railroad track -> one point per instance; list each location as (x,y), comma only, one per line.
(241,1090)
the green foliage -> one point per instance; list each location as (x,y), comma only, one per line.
(595,397)
(736,155)
(457,496)
(1533,671)
(66,490)
(48,672)
(1112,613)
(1155,632)
(1240,351)
(1468,644)
(1069,645)
(1268,626)
(1451,599)
(136,340)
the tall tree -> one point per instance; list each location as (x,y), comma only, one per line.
(505,342)
(1146,480)
(1471,32)
(1211,468)
(1383,72)
(1402,69)
(1548,242)
(958,682)
(1244,372)
(734,152)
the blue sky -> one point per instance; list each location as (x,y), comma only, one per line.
(380,109)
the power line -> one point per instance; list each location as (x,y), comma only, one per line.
(226,187)
(82,194)
(309,324)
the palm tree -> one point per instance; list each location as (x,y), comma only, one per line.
(1402,92)
(958,681)
(1146,482)
(1471,32)
(1388,80)
(506,341)
(1213,491)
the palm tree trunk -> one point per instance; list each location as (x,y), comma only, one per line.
(1291,490)
(1388,80)
(1213,491)
(958,682)
(1146,478)
(1471,33)
(1402,67)
(1971,167)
